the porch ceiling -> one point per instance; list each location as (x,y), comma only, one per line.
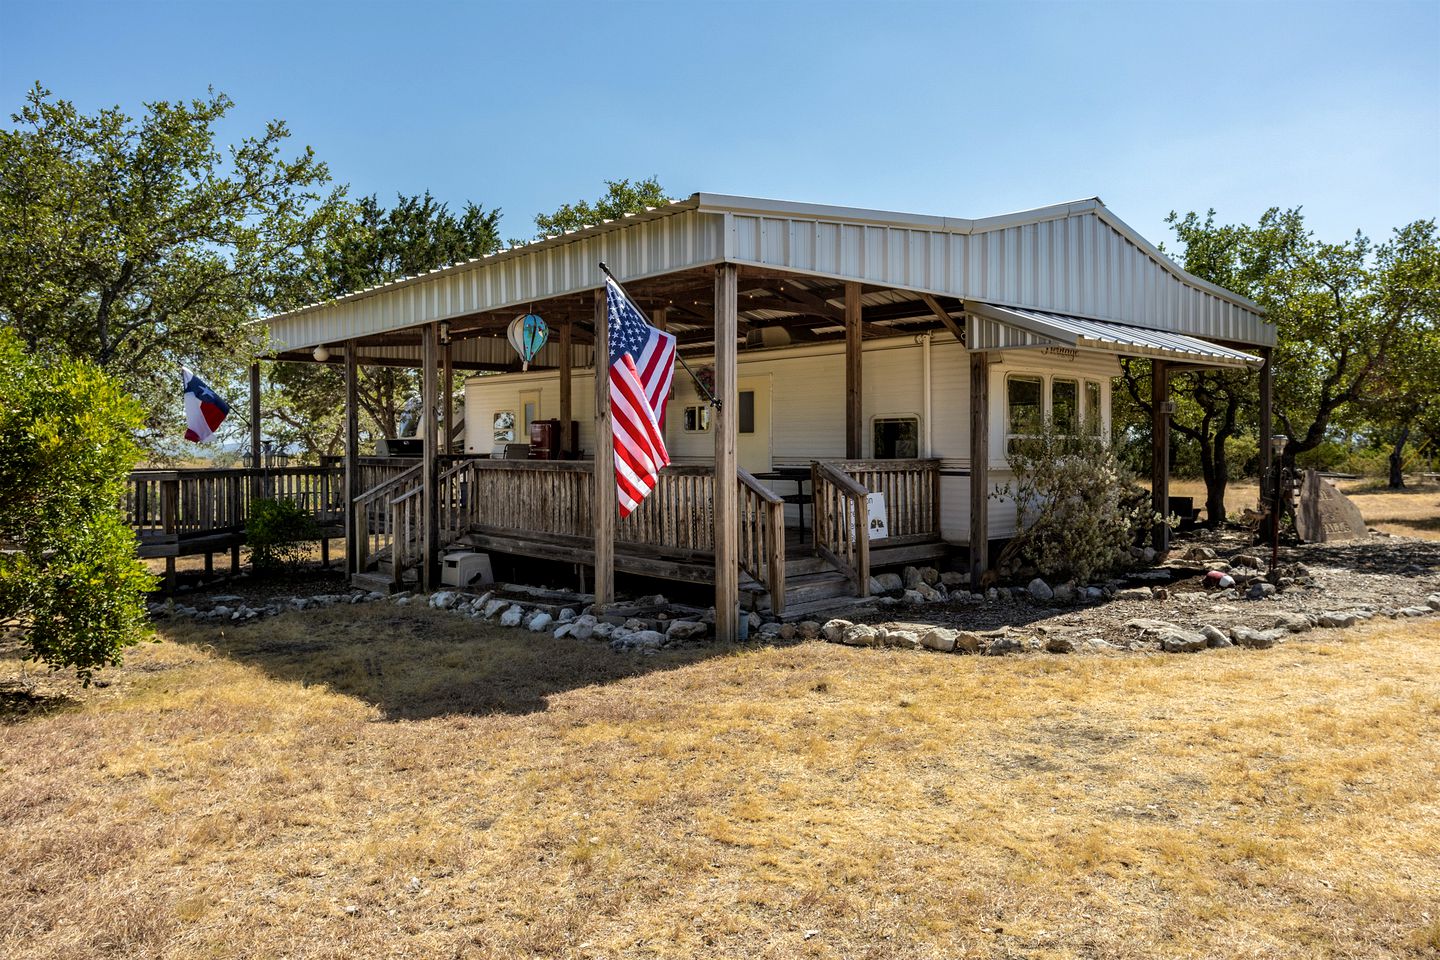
(806,309)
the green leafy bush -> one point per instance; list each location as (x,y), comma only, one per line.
(275,535)
(1078,509)
(70,583)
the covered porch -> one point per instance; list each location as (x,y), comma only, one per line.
(728,276)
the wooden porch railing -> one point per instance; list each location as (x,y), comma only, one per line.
(374,520)
(840,515)
(376,470)
(912,494)
(171,505)
(555,497)
(762,537)
(406,525)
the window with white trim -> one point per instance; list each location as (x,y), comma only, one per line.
(1024,405)
(1094,415)
(895,438)
(1065,405)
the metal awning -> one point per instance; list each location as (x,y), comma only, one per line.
(994,327)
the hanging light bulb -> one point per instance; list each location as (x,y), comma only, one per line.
(322,353)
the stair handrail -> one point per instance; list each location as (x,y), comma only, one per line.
(406,548)
(841,512)
(382,530)
(762,536)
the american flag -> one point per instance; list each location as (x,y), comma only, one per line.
(642,363)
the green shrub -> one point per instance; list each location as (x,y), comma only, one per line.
(70,583)
(1078,510)
(275,535)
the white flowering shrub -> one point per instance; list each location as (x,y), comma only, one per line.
(1079,509)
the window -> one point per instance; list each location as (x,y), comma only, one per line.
(1022,397)
(1094,416)
(746,412)
(697,418)
(1064,405)
(896,438)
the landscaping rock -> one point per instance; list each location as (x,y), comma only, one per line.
(929,575)
(913,596)
(952,579)
(1183,641)
(911,578)
(860,635)
(512,616)
(492,607)
(1064,593)
(833,630)
(808,629)
(646,639)
(1259,590)
(886,583)
(541,622)
(1215,637)
(1336,619)
(1257,639)
(1058,643)
(1000,646)
(1433,601)
(1248,560)
(905,639)
(1133,593)
(566,615)
(685,630)
(938,638)
(444,599)
(1200,552)
(1040,591)
(1293,622)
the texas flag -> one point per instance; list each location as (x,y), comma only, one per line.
(204,410)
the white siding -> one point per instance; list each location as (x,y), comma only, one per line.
(808,408)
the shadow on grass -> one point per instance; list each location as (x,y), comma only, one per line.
(18,704)
(416,663)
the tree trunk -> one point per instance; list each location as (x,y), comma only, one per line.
(1397,459)
(1217,478)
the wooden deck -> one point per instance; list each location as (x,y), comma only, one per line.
(544,510)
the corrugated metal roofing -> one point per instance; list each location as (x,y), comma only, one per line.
(1074,259)
(992,327)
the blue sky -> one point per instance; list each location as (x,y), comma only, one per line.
(943,108)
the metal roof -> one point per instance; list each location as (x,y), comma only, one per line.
(992,327)
(1075,259)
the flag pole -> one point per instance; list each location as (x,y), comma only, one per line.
(714,401)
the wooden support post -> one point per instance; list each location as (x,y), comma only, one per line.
(429,512)
(1267,400)
(209,565)
(659,317)
(234,559)
(324,553)
(257,466)
(170,583)
(567,403)
(727,490)
(352,458)
(979,467)
(605,500)
(255,416)
(853,333)
(447,403)
(1160,449)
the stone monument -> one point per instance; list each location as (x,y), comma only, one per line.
(1325,514)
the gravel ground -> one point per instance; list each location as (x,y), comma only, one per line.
(1381,575)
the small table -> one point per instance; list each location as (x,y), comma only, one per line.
(800,476)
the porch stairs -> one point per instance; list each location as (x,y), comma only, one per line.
(813,586)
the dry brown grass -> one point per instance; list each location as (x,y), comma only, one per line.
(1412,512)
(471,792)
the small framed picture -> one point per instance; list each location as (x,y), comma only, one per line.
(505,426)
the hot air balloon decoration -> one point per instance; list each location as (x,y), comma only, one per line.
(527,335)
